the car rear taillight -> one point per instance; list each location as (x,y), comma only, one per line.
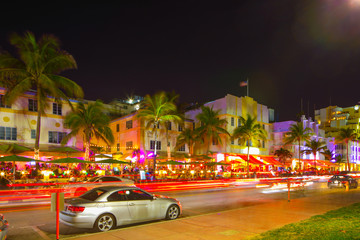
(76,209)
(343,182)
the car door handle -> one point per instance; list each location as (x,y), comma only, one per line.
(131,204)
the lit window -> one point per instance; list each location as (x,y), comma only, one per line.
(8,133)
(152,145)
(56,137)
(33,133)
(129,124)
(2,102)
(57,109)
(129,145)
(33,106)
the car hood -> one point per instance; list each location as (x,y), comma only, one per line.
(164,197)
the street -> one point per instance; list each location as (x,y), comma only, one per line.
(37,222)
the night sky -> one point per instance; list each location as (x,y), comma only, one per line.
(288,49)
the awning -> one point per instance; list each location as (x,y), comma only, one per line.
(312,163)
(272,161)
(252,159)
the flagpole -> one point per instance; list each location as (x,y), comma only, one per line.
(247,86)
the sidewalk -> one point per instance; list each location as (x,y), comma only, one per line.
(233,224)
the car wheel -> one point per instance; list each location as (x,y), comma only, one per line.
(173,212)
(104,222)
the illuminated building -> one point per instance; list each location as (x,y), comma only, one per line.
(18,122)
(280,129)
(130,134)
(232,108)
(333,118)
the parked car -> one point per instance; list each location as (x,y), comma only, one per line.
(4,226)
(104,208)
(341,180)
(79,188)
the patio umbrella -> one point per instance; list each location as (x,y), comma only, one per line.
(171,162)
(13,148)
(110,160)
(193,163)
(68,160)
(216,163)
(15,158)
(66,150)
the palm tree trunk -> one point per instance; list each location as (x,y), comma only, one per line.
(87,151)
(38,127)
(155,129)
(315,162)
(299,156)
(347,156)
(247,162)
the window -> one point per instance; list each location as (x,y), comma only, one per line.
(239,122)
(33,106)
(117,128)
(118,147)
(129,124)
(215,142)
(137,195)
(232,141)
(8,133)
(117,196)
(152,145)
(2,102)
(232,121)
(180,129)
(182,148)
(169,126)
(129,145)
(57,109)
(56,137)
(33,133)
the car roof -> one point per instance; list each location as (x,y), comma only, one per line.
(112,188)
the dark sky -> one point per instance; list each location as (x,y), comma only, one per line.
(288,49)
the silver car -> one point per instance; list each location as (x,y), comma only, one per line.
(78,188)
(4,226)
(104,208)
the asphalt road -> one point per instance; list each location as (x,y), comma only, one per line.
(38,222)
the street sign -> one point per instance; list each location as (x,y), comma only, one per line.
(53,201)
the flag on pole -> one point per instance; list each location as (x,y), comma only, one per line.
(243,83)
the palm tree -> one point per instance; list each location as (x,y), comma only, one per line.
(90,121)
(211,126)
(314,146)
(346,135)
(157,110)
(250,131)
(298,133)
(172,97)
(328,154)
(283,154)
(36,68)
(188,137)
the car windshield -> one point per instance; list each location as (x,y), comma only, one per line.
(93,194)
(93,179)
